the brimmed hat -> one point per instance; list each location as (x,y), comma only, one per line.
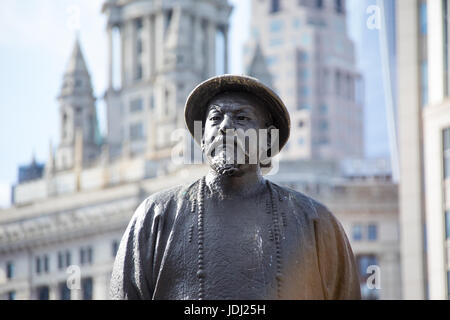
(198,101)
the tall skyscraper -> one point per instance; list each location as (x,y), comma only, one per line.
(412,93)
(424,140)
(436,146)
(309,60)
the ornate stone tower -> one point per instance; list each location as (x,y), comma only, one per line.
(79,137)
(159,50)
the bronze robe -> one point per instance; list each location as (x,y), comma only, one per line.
(157,257)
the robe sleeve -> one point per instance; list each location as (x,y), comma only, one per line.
(338,269)
(131,275)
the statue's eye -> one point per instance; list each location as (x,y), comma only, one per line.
(214,118)
(242,118)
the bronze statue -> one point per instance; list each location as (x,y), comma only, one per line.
(233,234)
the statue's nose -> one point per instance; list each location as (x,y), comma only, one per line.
(227,124)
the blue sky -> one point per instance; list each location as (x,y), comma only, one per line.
(36,39)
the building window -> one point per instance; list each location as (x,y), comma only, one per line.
(424,82)
(323,125)
(86,255)
(319,4)
(64,292)
(43,293)
(271,60)
(303,106)
(168,19)
(446,152)
(138,46)
(304,90)
(447,224)
(115,248)
(338,5)
(448,284)
(303,57)
(423,22)
(274,6)
(276,26)
(152,102)
(372,232)
(9,270)
(136,131)
(423,18)
(323,109)
(138,24)
(167,101)
(138,71)
(87,288)
(90,255)
(38,265)
(136,105)
(60,260)
(306,40)
(11,295)
(338,83)
(276,42)
(46,264)
(296,23)
(68,259)
(323,141)
(357,232)
(301,141)
(82,256)
(304,74)
(255,32)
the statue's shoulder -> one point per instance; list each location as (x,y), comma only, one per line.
(309,206)
(178,193)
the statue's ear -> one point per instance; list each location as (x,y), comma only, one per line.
(202,144)
(269,139)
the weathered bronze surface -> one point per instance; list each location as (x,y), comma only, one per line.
(234,234)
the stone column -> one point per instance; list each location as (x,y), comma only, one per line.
(211,48)
(110,57)
(149,45)
(100,287)
(198,54)
(123,45)
(159,40)
(225,37)
(53,291)
(390,276)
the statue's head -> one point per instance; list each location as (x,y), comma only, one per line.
(244,123)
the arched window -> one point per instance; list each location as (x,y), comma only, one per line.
(274,6)
(339,6)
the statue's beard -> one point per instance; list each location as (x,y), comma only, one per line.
(225,159)
(225,169)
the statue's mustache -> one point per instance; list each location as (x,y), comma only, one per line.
(221,142)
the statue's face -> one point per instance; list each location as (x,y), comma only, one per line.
(231,132)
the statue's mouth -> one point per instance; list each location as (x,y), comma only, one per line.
(229,148)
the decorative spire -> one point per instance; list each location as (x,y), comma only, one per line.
(76,63)
(258,67)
